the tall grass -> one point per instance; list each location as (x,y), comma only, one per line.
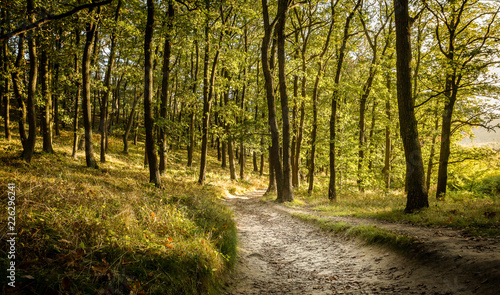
(84,230)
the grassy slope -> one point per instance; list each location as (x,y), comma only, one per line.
(82,230)
(476,214)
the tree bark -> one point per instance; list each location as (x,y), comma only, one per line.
(275,158)
(29,148)
(164,86)
(86,104)
(130,122)
(416,196)
(6,89)
(16,81)
(77,98)
(107,88)
(154,175)
(207,97)
(332,192)
(280,32)
(46,115)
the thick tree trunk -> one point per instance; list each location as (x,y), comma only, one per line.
(280,32)
(154,175)
(46,115)
(86,104)
(275,158)
(417,196)
(271,188)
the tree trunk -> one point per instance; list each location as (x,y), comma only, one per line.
(417,196)
(107,88)
(207,97)
(86,104)
(154,175)
(267,63)
(332,193)
(388,143)
(444,153)
(272,177)
(130,122)
(46,115)
(29,148)
(6,89)
(16,81)
(77,97)
(431,154)
(164,86)
(280,32)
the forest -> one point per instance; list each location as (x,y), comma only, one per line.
(134,131)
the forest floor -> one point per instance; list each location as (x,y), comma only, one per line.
(280,254)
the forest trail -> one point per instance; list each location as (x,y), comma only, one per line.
(282,255)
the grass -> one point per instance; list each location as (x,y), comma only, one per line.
(477,214)
(86,231)
(370,234)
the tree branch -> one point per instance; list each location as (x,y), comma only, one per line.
(48,18)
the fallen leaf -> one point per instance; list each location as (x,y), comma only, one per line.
(28,277)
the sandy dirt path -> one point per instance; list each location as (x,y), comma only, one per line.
(282,255)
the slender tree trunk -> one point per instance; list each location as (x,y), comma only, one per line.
(16,81)
(207,97)
(164,86)
(46,115)
(130,122)
(29,148)
(314,131)
(6,89)
(417,196)
(77,98)
(388,143)
(154,175)
(332,192)
(431,154)
(86,104)
(107,87)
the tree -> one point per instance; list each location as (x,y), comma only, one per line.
(332,192)
(417,193)
(267,64)
(29,147)
(90,30)
(466,38)
(154,174)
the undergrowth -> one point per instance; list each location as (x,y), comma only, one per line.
(476,214)
(107,231)
(370,234)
